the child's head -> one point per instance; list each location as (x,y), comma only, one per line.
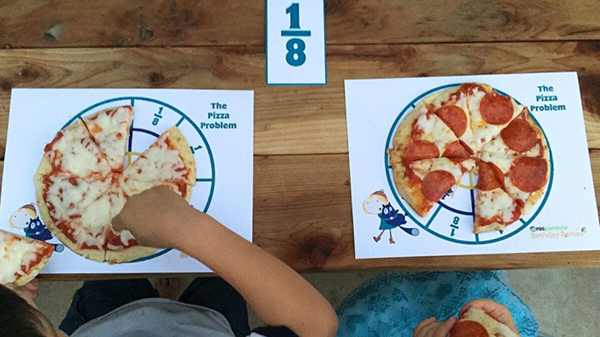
(19,318)
(375,202)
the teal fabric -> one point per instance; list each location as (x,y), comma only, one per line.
(394,303)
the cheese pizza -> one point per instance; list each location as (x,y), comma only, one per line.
(472,128)
(82,184)
(21,259)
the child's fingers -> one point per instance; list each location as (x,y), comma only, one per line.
(420,327)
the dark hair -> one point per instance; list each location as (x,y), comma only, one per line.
(17,317)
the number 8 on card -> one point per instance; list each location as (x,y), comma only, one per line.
(295,42)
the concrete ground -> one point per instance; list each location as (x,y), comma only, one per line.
(565,301)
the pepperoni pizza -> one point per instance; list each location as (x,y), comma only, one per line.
(476,323)
(81,183)
(472,129)
(21,259)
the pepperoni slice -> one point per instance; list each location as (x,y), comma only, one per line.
(420,149)
(490,177)
(496,109)
(469,329)
(519,135)
(469,88)
(529,174)
(457,149)
(454,117)
(436,183)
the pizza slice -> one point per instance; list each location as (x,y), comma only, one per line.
(524,177)
(21,258)
(63,196)
(521,137)
(133,187)
(110,130)
(121,246)
(168,159)
(494,208)
(423,135)
(477,323)
(73,151)
(450,105)
(423,182)
(490,111)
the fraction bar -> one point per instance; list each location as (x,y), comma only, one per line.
(295,33)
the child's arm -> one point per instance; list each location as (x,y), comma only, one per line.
(280,297)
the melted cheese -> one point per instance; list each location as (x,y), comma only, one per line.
(504,162)
(460,100)
(133,187)
(493,327)
(423,167)
(495,202)
(69,196)
(111,131)
(482,131)
(76,152)
(498,145)
(435,131)
(158,163)
(15,252)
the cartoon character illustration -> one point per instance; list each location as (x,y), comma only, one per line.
(377,203)
(26,218)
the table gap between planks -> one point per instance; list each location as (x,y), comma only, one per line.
(302,211)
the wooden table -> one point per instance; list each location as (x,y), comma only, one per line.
(302,210)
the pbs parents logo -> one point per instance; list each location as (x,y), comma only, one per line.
(555,232)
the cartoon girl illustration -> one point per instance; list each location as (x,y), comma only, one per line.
(26,218)
(377,203)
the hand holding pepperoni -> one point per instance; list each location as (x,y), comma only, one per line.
(495,310)
(432,328)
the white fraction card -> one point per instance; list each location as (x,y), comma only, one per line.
(295,42)
(554,176)
(217,124)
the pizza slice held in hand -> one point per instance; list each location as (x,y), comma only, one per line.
(21,258)
(477,323)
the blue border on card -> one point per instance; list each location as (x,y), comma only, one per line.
(267,51)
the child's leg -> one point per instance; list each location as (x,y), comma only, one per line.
(216,294)
(98,298)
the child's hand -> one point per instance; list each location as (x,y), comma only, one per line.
(431,328)
(157,217)
(494,309)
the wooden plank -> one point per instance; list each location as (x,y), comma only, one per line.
(75,23)
(293,120)
(302,215)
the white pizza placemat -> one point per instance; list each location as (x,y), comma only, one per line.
(217,124)
(564,219)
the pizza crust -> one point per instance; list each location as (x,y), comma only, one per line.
(128,254)
(412,194)
(43,170)
(33,272)
(180,144)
